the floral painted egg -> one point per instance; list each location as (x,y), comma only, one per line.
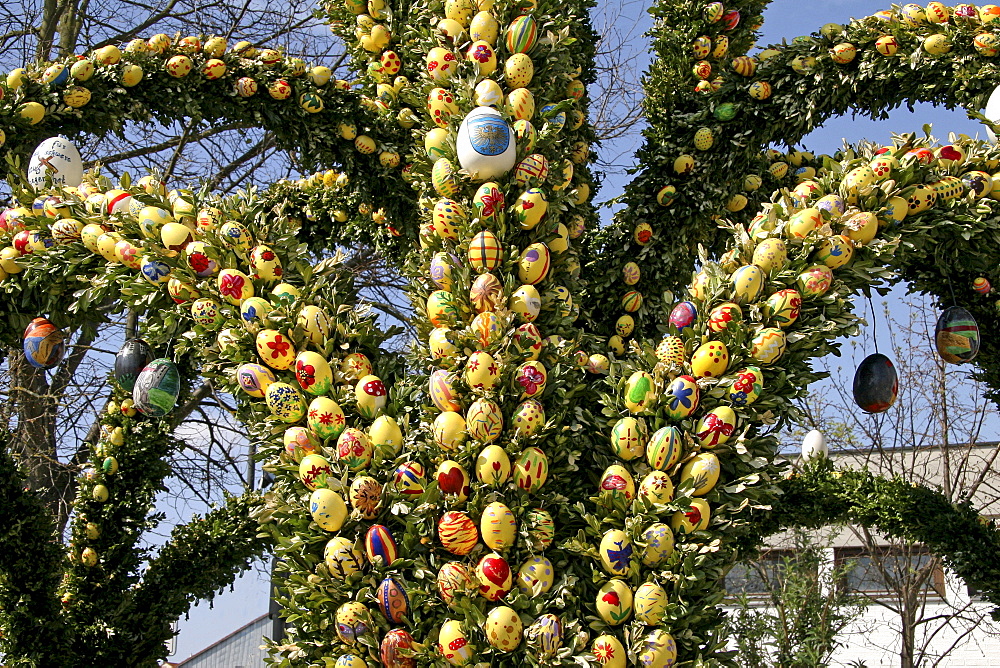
(530,378)
(956,336)
(313,372)
(531,469)
(876,384)
(747,283)
(441,310)
(628,438)
(920,198)
(365,496)
(832,204)
(503,628)
(695,518)
(835,251)
(782,307)
(670,350)
(457,533)
(614,602)
(66,230)
(521,34)
(371,396)
(770,254)
(497,526)
(206,313)
(530,208)
(408,478)
(616,552)
(453,643)
(710,360)
(156,388)
(529,417)
(325,418)
(526,302)
(355,366)
(286,402)
(299,442)
(640,392)
(327,509)
(440,345)
(275,349)
(681,397)
(658,649)
(716,427)
(747,387)
(354,449)
(768,345)
(815,281)
(493,465)
(485,144)
(685,314)
(454,578)
(608,650)
(391,596)
(482,54)
(650,602)
(392,648)
(527,339)
(488,200)
(313,471)
(495,577)
(702,472)
(656,488)
(535,576)
(130,360)
(618,481)
(352,621)
(541,528)
(234,285)
(484,420)
(664,448)
(803,223)
(723,315)
(442,391)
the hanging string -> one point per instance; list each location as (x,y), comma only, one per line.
(951,288)
(871,307)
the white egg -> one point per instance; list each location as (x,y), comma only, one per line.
(486,147)
(814,446)
(58,156)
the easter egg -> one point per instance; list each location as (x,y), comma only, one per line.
(265,263)
(656,488)
(299,442)
(530,378)
(441,310)
(981,286)
(448,217)
(664,448)
(352,621)
(444,179)
(681,397)
(391,596)
(484,27)
(453,643)
(835,251)
(441,106)
(722,316)
(616,552)
(535,576)
(920,198)
(454,578)
(484,420)
(503,628)
(206,313)
(235,236)
(371,396)
(365,496)
(520,104)
(442,391)
(670,350)
(986,44)
(710,360)
(493,465)
(313,471)
(956,336)
(658,649)
(529,417)
(618,481)
(232,284)
(521,34)
(747,282)
(286,402)
(541,528)
(614,602)
(815,281)
(485,251)
(767,345)
(156,388)
(452,478)
(530,208)
(760,90)
(782,308)
(695,518)
(608,650)
(628,438)
(408,478)
(392,648)
(313,373)
(488,92)
(151,219)
(355,367)
(747,387)
(534,263)
(441,64)
(533,169)
(58,159)
(130,360)
(814,446)
(875,384)
(342,559)
(486,293)
(325,418)
(199,259)
(770,254)
(457,533)
(354,449)
(385,435)
(685,314)
(275,349)
(640,392)
(518,70)
(485,144)
(44,344)
(702,470)
(314,321)
(488,200)
(495,577)
(349,661)
(66,230)
(328,509)
(497,526)
(650,602)
(531,469)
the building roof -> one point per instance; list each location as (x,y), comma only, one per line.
(239,649)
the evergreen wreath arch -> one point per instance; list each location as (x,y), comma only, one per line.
(482,449)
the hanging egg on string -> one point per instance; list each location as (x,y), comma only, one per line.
(44,344)
(876,384)
(981,286)
(157,387)
(956,336)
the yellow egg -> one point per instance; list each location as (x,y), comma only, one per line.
(530,208)
(442,391)
(325,418)
(664,448)
(702,472)
(481,371)
(313,372)
(656,488)
(275,349)
(609,651)
(534,263)
(452,479)
(521,104)
(710,360)
(299,441)
(489,94)
(441,310)
(503,628)
(371,396)
(453,644)
(518,70)
(716,427)
(484,420)
(386,436)
(614,602)
(265,263)
(618,481)
(658,649)
(285,402)
(444,178)
(441,106)
(803,223)
(695,518)
(482,54)
(770,254)
(650,603)
(628,438)
(449,430)
(535,576)
(493,465)
(529,417)
(747,283)
(531,469)
(782,308)
(366,495)
(316,324)
(449,216)
(441,347)
(639,392)
(342,559)
(497,526)
(328,509)
(836,251)
(436,142)
(616,552)
(861,227)
(234,285)
(768,345)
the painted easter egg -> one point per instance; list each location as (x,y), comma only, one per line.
(616,552)
(299,442)
(497,526)
(815,281)
(371,396)
(614,602)
(44,344)
(352,621)
(770,254)
(391,596)
(531,469)
(265,263)
(286,402)
(747,282)
(156,388)
(628,438)
(457,533)
(325,418)
(503,628)
(354,449)
(747,387)
(495,577)
(365,496)
(178,290)
(444,178)
(454,578)
(533,169)
(658,649)
(493,465)
(956,336)
(710,360)
(535,576)
(782,308)
(685,314)
(695,518)
(486,293)
(154,271)
(485,251)
(682,397)
(526,302)
(313,471)
(656,488)
(275,349)
(650,602)
(313,373)
(58,159)
(485,144)
(716,427)
(484,420)
(355,367)
(530,208)
(488,92)
(534,263)
(206,313)
(768,345)
(670,350)
(130,360)
(520,104)
(453,643)
(981,286)
(618,481)
(664,448)
(541,528)
(408,478)
(350,661)
(723,315)
(702,472)
(608,650)
(528,340)
(392,648)
(441,106)
(876,384)
(442,391)
(232,284)
(530,378)
(386,437)
(440,345)
(529,417)
(254,379)
(452,479)
(640,392)
(441,310)
(835,251)
(521,34)
(327,509)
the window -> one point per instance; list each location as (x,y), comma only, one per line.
(888,569)
(758,578)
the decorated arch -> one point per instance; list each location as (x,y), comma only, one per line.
(544,477)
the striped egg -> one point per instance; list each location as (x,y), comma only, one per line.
(532,170)
(664,448)
(457,533)
(485,251)
(442,391)
(546,632)
(521,34)
(498,526)
(444,178)
(392,599)
(531,469)
(409,478)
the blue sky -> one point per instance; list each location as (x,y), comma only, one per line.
(784,19)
